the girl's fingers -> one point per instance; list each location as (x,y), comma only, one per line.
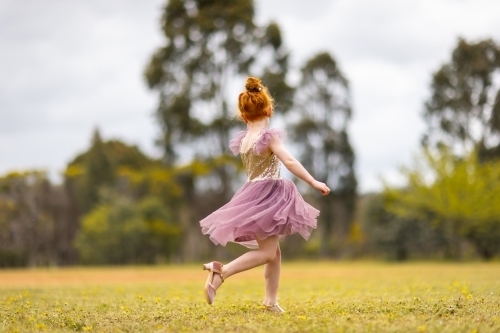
(323,189)
(326,190)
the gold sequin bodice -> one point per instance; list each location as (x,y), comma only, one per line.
(260,167)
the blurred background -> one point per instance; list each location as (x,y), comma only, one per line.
(115,119)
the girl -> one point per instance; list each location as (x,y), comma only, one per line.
(267,207)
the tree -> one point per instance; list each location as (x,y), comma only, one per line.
(274,75)
(98,173)
(397,237)
(458,195)
(97,168)
(322,113)
(120,231)
(35,221)
(208,45)
(464,109)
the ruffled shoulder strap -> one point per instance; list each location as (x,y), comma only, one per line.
(266,137)
(235,144)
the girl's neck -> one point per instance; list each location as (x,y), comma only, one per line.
(258,125)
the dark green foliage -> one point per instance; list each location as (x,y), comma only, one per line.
(464,113)
(323,112)
(116,154)
(110,155)
(163,231)
(486,238)
(120,231)
(274,76)
(135,226)
(458,196)
(209,45)
(464,109)
(36,221)
(98,167)
(397,238)
(98,172)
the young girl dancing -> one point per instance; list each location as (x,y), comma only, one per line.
(267,207)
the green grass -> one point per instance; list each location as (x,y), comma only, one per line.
(318,297)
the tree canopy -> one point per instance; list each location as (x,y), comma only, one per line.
(459,195)
(98,167)
(208,45)
(323,110)
(464,109)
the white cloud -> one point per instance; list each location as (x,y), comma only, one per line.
(306,11)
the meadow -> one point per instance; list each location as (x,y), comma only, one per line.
(317,297)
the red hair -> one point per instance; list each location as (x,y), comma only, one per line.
(255,102)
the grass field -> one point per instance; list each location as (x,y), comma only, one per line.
(318,297)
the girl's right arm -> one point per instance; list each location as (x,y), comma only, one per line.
(295,166)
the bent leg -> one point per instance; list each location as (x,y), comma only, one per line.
(272,272)
(265,254)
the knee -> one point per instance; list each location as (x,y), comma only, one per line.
(272,255)
(269,256)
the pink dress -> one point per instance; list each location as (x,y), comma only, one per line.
(266,205)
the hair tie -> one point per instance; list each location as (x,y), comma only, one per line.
(258,89)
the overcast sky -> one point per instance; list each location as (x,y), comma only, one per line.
(67,66)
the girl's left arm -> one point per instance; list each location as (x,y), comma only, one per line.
(295,166)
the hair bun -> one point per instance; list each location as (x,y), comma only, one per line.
(253,84)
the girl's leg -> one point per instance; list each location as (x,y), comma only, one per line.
(265,254)
(272,275)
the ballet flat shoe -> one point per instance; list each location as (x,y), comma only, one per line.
(213,267)
(273,308)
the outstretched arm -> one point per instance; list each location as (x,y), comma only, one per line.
(295,166)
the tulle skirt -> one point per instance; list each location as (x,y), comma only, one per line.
(262,208)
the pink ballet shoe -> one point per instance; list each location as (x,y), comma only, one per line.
(213,267)
(273,308)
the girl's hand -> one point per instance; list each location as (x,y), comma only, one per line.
(321,187)
(294,166)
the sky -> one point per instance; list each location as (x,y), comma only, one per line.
(67,67)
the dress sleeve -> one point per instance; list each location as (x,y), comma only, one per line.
(235,144)
(266,137)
